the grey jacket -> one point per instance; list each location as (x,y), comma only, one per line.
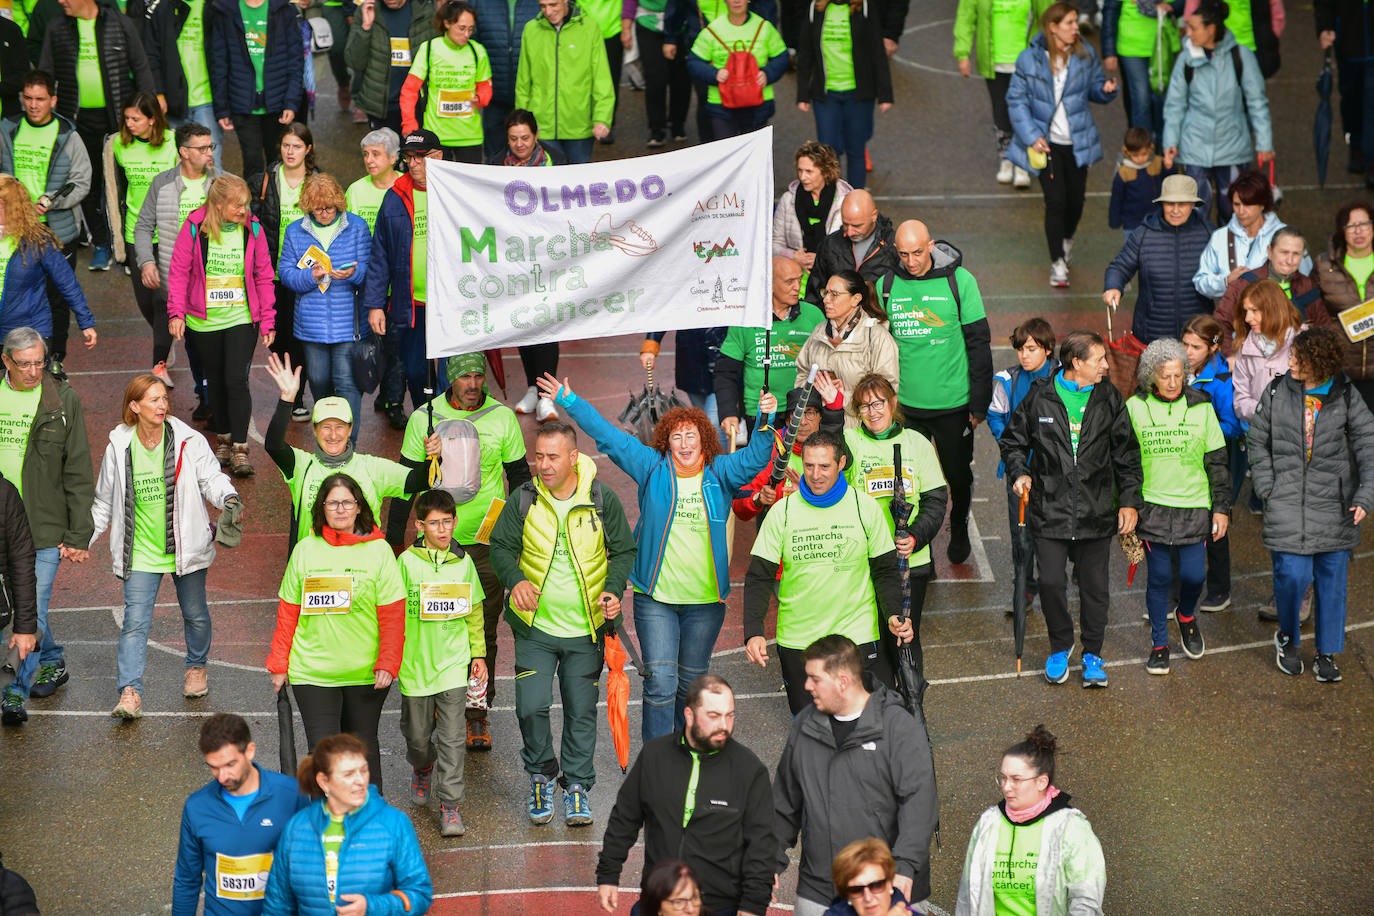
(69,163)
(1307,503)
(159,213)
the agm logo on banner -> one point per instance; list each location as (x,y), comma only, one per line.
(709,251)
(725,205)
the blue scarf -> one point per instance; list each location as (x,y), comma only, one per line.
(827,499)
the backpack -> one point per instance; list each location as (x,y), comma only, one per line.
(524,499)
(1238,63)
(460,455)
(741,89)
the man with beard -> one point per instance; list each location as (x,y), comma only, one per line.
(702,798)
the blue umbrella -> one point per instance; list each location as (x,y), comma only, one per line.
(1321,124)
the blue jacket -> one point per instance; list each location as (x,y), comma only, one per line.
(1030,100)
(1008,388)
(1215,381)
(1133,193)
(500,24)
(209,827)
(1215,264)
(388,286)
(654,474)
(24,302)
(1208,120)
(380,854)
(325,317)
(1164,256)
(231,70)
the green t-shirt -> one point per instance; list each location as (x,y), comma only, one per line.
(748,345)
(606,15)
(90,86)
(650,14)
(826,585)
(1360,269)
(925,321)
(688,575)
(17,410)
(378,478)
(419,248)
(226,299)
(288,196)
(141,162)
(33,148)
(1137,33)
(1075,402)
(338,589)
(332,839)
(498,432)
(1240,24)
(768,45)
(870,470)
(150,510)
(452,73)
(364,199)
(192,196)
(191,50)
(1014,865)
(255,34)
(444,626)
(1173,438)
(1011,25)
(326,235)
(837,48)
(561,600)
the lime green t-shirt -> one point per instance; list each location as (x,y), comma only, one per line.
(150,510)
(90,86)
(378,478)
(444,625)
(1075,402)
(141,162)
(1173,438)
(192,196)
(332,839)
(498,432)
(326,234)
(688,575)
(419,249)
(1011,26)
(928,326)
(826,585)
(17,410)
(1360,269)
(769,44)
(452,73)
(288,196)
(837,48)
(1014,865)
(870,470)
(748,345)
(191,50)
(255,35)
(33,148)
(1137,33)
(226,298)
(339,589)
(364,199)
(562,610)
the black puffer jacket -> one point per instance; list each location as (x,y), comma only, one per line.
(1073,497)
(837,253)
(123,65)
(16,561)
(1166,257)
(1307,502)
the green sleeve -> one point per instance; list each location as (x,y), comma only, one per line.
(620,542)
(413,445)
(768,545)
(929,474)
(775,45)
(507,538)
(603,91)
(483,65)
(705,47)
(290,591)
(388,477)
(1215,439)
(419,64)
(964,17)
(733,346)
(970,299)
(513,445)
(390,587)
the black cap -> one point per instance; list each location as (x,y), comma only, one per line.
(420,141)
(813,402)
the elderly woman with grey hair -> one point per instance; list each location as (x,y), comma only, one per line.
(1186,491)
(364,196)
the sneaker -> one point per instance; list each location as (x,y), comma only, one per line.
(202,413)
(526,404)
(1212,604)
(171,357)
(1005,171)
(1158,662)
(58,371)
(479,736)
(101,257)
(238,461)
(359,116)
(1286,654)
(396,416)
(1094,675)
(1191,637)
(419,785)
(1020,178)
(576,811)
(300,414)
(224,449)
(1057,667)
(545,410)
(163,376)
(50,677)
(658,139)
(959,546)
(450,821)
(1168,616)
(1059,274)
(130,705)
(1323,665)
(197,683)
(679,135)
(12,710)
(1068,252)
(541,799)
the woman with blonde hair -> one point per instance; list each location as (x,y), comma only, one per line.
(219,292)
(1265,324)
(809,209)
(33,259)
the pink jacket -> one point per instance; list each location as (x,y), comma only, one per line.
(1278,18)
(186,276)
(1251,372)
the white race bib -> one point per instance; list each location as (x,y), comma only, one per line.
(878,481)
(242,877)
(400,52)
(445,600)
(327,595)
(224,292)
(455,103)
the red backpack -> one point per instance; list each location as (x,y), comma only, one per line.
(741,89)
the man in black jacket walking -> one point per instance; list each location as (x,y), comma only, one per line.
(864,242)
(700,797)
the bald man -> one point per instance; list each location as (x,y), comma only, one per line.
(864,242)
(935,313)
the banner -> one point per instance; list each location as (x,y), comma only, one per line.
(655,243)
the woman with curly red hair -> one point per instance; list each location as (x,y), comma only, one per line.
(682,570)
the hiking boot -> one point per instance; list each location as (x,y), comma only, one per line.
(1191,637)
(526,404)
(450,821)
(1057,667)
(1004,171)
(12,711)
(419,785)
(576,811)
(197,683)
(1286,654)
(1158,662)
(959,546)
(1059,274)
(163,376)
(396,416)
(130,705)
(238,460)
(1094,675)
(50,677)
(545,410)
(224,450)
(1325,668)
(541,799)
(479,737)
(1213,604)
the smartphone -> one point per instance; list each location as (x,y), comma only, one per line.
(346,266)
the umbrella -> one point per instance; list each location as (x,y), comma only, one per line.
(1321,124)
(794,423)
(645,409)
(618,690)
(1021,573)
(431,383)
(498,368)
(286,731)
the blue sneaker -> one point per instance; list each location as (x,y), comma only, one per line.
(100,258)
(1094,675)
(1057,667)
(576,811)
(541,799)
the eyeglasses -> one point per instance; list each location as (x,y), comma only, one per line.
(329,209)
(1356,227)
(832,293)
(209,147)
(683,904)
(873,887)
(1002,779)
(872,406)
(27,365)
(340,505)
(440,523)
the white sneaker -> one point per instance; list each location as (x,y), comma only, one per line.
(1022,178)
(545,410)
(1068,252)
(1004,171)
(526,404)
(1059,274)
(160,372)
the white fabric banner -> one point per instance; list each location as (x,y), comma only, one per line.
(655,243)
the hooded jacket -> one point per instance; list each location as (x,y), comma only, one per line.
(327,317)
(1252,371)
(564,76)
(1303,291)
(973,22)
(872,76)
(161,214)
(1031,103)
(1231,247)
(159,24)
(59,484)
(1209,119)
(1164,256)
(1215,380)
(389,284)
(186,274)
(69,163)
(123,65)
(369,53)
(1009,388)
(837,253)
(231,69)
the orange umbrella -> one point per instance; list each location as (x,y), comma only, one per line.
(618,690)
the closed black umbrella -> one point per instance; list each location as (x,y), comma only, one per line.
(286,731)
(1020,575)
(1321,124)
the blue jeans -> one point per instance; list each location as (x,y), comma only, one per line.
(846,124)
(205,114)
(572,151)
(1146,108)
(676,640)
(707,404)
(1192,572)
(330,368)
(46,560)
(140,594)
(1293,572)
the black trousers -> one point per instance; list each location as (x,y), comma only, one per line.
(60,310)
(667,88)
(1066,187)
(357,710)
(538,359)
(706,131)
(392,120)
(615,56)
(1001,115)
(225,356)
(873,655)
(259,141)
(152,305)
(284,343)
(1090,561)
(90,127)
(470,154)
(953,437)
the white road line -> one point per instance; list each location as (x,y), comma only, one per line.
(1027,196)
(980,555)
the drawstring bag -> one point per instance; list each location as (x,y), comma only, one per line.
(741,89)
(460,456)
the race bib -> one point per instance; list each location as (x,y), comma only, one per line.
(1358,321)
(400,52)
(483,535)
(224,292)
(242,877)
(455,103)
(878,481)
(445,600)
(327,595)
